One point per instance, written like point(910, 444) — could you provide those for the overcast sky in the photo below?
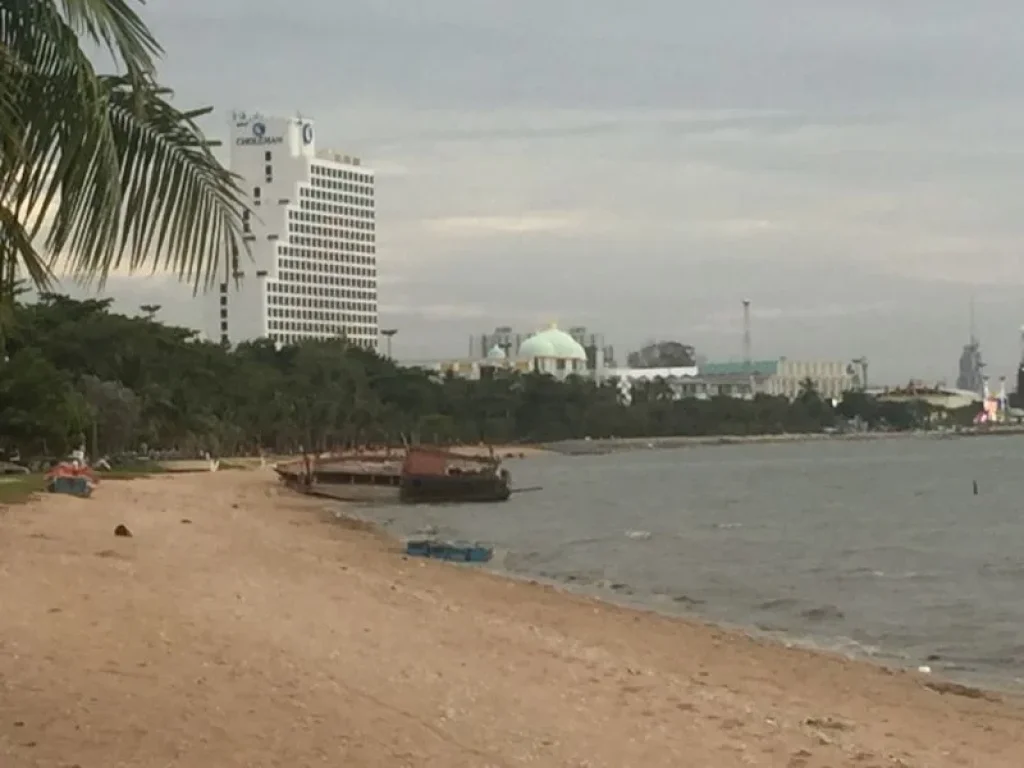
point(856, 169)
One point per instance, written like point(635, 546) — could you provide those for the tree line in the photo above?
point(76, 371)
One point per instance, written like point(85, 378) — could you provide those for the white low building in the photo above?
point(780, 377)
point(677, 379)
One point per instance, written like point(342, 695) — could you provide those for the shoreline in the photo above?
point(590, 447)
point(343, 649)
point(888, 658)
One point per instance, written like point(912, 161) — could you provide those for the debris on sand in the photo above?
point(122, 530)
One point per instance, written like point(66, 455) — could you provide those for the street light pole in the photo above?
point(388, 333)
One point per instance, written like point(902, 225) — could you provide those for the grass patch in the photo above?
point(17, 489)
point(129, 473)
point(119, 475)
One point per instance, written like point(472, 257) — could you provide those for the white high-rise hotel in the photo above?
point(312, 234)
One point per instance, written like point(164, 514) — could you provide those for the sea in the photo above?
point(909, 551)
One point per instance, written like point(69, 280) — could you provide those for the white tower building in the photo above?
point(312, 234)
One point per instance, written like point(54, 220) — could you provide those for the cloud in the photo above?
point(731, 322)
point(853, 168)
point(482, 226)
point(435, 311)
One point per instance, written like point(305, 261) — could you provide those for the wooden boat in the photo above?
point(421, 474)
point(435, 475)
point(346, 478)
point(206, 464)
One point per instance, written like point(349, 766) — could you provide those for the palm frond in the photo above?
point(10, 90)
point(182, 211)
point(17, 254)
point(17, 257)
point(117, 175)
point(64, 135)
point(114, 25)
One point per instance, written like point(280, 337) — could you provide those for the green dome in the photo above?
point(552, 343)
point(496, 353)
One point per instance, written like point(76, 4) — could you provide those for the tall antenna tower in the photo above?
point(746, 335)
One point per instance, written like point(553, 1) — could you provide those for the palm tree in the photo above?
point(101, 170)
point(808, 391)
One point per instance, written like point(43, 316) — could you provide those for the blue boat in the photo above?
point(457, 551)
point(75, 486)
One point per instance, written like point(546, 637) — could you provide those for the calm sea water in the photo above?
point(874, 548)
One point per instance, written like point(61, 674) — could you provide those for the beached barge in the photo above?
point(346, 478)
point(419, 474)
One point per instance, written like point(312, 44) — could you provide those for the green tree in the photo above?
point(76, 365)
point(39, 411)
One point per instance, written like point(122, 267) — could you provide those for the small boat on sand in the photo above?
point(71, 477)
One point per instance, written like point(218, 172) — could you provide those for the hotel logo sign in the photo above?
point(259, 137)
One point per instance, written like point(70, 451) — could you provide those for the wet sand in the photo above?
point(263, 633)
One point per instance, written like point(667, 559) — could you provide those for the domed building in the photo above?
point(555, 352)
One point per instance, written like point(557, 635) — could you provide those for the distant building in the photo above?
point(970, 374)
point(555, 352)
point(312, 235)
point(473, 369)
point(663, 354)
point(551, 351)
point(599, 354)
point(831, 378)
point(937, 396)
point(743, 380)
point(678, 380)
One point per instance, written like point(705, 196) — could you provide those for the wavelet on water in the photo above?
point(778, 603)
point(823, 613)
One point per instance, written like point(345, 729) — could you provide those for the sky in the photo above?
point(854, 169)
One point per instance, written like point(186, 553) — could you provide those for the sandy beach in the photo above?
point(243, 626)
